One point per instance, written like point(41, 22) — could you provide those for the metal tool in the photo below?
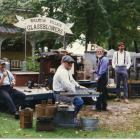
point(31, 84)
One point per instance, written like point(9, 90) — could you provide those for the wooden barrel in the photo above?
point(50, 110)
point(46, 110)
point(40, 111)
point(26, 118)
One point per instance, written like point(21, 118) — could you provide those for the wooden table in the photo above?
point(34, 94)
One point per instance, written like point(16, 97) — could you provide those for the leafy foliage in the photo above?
point(31, 64)
point(104, 22)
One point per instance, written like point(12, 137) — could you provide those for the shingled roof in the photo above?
point(8, 29)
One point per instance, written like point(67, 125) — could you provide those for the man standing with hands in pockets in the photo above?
point(101, 71)
point(121, 62)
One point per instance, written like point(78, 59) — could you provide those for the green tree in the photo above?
point(104, 22)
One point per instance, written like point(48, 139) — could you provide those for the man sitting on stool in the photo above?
point(63, 81)
point(6, 90)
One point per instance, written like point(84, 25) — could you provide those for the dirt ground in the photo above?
point(119, 115)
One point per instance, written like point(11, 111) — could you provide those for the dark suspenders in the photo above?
point(8, 75)
point(124, 57)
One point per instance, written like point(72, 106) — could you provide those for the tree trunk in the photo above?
point(87, 22)
point(51, 11)
point(113, 46)
point(51, 45)
point(109, 46)
point(91, 27)
point(136, 47)
point(87, 40)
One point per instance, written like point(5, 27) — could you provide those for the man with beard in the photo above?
point(121, 62)
point(101, 79)
point(63, 81)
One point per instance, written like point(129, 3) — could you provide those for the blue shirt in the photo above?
point(104, 64)
point(8, 79)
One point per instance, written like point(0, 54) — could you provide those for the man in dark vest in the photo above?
point(121, 63)
point(101, 79)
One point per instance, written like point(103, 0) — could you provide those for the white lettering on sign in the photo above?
point(42, 23)
point(44, 27)
point(29, 98)
point(38, 20)
point(48, 24)
point(55, 23)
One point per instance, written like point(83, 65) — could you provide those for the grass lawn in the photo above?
point(121, 121)
point(10, 128)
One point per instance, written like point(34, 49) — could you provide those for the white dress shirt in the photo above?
point(121, 59)
point(63, 80)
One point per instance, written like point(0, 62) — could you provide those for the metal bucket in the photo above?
point(89, 124)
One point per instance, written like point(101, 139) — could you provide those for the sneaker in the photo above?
point(95, 109)
point(117, 100)
point(75, 121)
point(16, 115)
point(126, 101)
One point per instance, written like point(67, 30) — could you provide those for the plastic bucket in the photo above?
point(89, 124)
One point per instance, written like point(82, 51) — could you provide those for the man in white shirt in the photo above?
point(121, 63)
point(63, 81)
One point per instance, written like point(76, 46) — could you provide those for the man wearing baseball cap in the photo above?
point(6, 89)
point(63, 81)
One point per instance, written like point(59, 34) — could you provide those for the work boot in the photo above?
point(126, 101)
point(117, 100)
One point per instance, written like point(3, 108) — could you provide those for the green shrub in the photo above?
point(31, 64)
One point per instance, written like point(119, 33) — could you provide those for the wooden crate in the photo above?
point(45, 125)
point(133, 90)
point(23, 77)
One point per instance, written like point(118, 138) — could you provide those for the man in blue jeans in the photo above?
point(6, 90)
point(63, 81)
